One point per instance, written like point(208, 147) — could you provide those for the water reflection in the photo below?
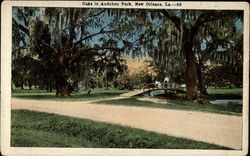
point(227, 102)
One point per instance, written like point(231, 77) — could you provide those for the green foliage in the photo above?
point(204, 35)
point(46, 56)
point(227, 75)
point(61, 39)
point(76, 46)
point(135, 80)
point(24, 71)
point(124, 81)
point(75, 132)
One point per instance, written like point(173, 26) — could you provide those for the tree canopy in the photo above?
point(68, 46)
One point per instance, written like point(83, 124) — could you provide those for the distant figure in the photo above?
point(166, 81)
point(183, 86)
point(157, 84)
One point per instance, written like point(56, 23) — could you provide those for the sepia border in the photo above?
point(6, 29)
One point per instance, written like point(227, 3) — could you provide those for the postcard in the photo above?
point(124, 78)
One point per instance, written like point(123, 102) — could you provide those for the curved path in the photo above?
point(224, 130)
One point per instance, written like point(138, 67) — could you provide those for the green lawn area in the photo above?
point(225, 93)
point(34, 129)
point(179, 105)
point(235, 91)
point(97, 93)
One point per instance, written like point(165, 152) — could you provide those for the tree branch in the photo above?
point(92, 35)
point(173, 18)
point(49, 46)
point(210, 16)
point(89, 51)
point(24, 17)
point(93, 15)
point(21, 27)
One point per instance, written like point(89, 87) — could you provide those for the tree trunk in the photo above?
point(62, 69)
point(22, 86)
point(47, 87)
point(191, 72)
point(50, 88)
point(62, 89)
point(62, 86)
point(202, 87)
point(107, 85)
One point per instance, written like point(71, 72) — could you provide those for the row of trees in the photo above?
point(61, 39)
point(66, 46)
point(192, 38)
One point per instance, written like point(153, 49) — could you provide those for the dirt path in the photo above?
point(154, 100)
point(132, 93)
point(218, 129)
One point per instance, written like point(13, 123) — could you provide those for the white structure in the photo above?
point(166, 80)
point(157, 84)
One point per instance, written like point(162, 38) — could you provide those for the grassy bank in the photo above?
point(82, 95)
point(225, 93)
point(178, 104)
point(33, 129)
point(231, 91)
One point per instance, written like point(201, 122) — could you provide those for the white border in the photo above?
point(6, 29)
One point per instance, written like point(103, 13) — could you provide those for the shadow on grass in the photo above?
point(225, 96)
point(179, 105)
point(231, 106)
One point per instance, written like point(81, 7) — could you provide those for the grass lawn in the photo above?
point(178, 104)
point(97, 93)
point(33, 129)
point(235, 91)
point(225, 93)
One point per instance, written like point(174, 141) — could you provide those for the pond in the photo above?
point(223, 102)
point(227, 102)
point(151, 93)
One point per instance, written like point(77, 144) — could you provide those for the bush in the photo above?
point(132, 81)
